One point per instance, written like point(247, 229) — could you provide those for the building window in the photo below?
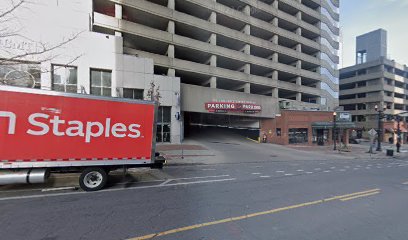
point(133, 93)
point(101, 82)
point(361, 95)
point(360, 118)
point(298, 135)
point(64, 78)
point(361, 106)
point(320, 136)
point(163, 124)
point(278, 132)
point(361, 57)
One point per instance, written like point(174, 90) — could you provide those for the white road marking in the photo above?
point(317, 169)
point(309, 172)
point(58, 189)
point(280, 171)
point(208, 169)
point(165, 182)
point(255, 173)
point(264, 176)
point(113, 190)
point(189, 178)
point(288, 174)
point(300, 170)
point(326, 171)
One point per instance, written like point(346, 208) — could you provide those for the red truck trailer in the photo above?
point(45, 131)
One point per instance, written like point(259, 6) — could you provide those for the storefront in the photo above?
point(306, 128)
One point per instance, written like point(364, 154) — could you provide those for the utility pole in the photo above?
point(334, 130)
point(380, 125)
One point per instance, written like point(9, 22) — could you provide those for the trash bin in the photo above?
point(390, 152)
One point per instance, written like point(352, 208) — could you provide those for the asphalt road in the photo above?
point(255, 197)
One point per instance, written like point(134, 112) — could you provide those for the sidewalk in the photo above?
point(195, 153)
point(190, 153)
point(356, 151)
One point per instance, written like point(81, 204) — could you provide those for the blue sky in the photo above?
point(361, 16)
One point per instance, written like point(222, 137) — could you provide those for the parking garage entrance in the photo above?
point(198, 123)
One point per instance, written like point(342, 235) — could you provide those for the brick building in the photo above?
point(305, 128)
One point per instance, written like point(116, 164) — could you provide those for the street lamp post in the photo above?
point(334, 130)
point(398, 133)
point(380, 125)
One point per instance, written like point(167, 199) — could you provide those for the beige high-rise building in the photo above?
point(270, 54)
point(219, 63)
point(375, 80)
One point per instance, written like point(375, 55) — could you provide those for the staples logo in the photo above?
point(42, 124)
point(12, 121)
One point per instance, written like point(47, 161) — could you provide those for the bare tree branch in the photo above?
point(22, 60)
point(12, 9)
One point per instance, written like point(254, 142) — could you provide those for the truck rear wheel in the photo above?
point(93, 179)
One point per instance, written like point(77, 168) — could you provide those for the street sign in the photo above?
point(372, 132)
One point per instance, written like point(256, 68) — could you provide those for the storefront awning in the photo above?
point(329, 125)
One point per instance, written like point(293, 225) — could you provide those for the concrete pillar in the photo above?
point(247, 29)
point(213, 60)
point(275, 21)
point(299, 96)
point(213, 39)
point(247, 68)
point(247, 88)
point(247, 49)
point(275, 4)
point(171, 27)
point(298, 81)
point(274, 57)
point(213, 17)
point(299, 31)
point(299, 47)
point(247, 10)
point(275, 75)
point(171, 72)
point(170, 51)
point(299, 15)
point(275, 92)
point(213, 82)
point(275, 39)
point(118, 11)
point(118, 15)
point(298, 64)
point(171, 4)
